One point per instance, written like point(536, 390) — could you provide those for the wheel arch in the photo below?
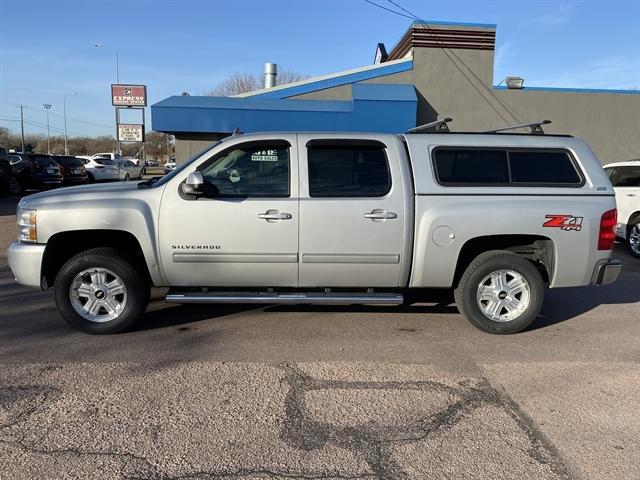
point(63, 246)
point(538, 249)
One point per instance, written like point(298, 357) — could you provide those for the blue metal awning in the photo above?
point(385, 108)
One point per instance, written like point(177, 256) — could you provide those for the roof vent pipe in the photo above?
point(270, 73)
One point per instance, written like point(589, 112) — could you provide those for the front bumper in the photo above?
point(25, 261)
point(606, 271)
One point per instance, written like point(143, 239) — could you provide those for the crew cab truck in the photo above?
point(340, 218)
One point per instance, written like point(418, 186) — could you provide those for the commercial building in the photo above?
point(436, 70)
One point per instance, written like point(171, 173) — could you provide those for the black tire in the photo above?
point(90, 177)
point(138, 290)
point(127, 177)
point(633, 247)
point(483, 265)
point(13, 185)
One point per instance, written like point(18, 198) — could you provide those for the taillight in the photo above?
point(99, 166)
point(61, 169)
point(607, 236)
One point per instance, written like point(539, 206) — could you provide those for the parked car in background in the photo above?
point(129, 170)
point(625, 178)
point(34, 171)
point(152, 163)
point(108, 155)
point(8, 181)
point(100, 169)
point(72, 169)
point(169, 166)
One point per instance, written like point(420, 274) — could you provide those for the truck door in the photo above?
point(352, 213)
point(245, 232)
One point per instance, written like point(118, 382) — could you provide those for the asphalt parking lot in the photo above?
point(320, 392)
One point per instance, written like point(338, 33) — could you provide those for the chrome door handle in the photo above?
point(631, 194)
point(378, 214)
point(274, 215)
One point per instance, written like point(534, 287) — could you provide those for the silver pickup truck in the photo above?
point(339, 218)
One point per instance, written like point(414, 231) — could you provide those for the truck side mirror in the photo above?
point(194, 184)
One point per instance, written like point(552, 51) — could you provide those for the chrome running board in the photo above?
point(332, 298)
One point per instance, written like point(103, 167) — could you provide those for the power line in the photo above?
point(449, 53)
point(388, 9)
point(60, 115)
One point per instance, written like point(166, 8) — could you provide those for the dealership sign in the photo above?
point(130, 132)
point(129, 95)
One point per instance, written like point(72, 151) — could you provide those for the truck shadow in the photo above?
point(560, 304)
point(567, 303)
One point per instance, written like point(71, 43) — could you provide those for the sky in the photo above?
point(47, 47)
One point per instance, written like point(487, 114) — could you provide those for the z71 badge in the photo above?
point(564, 222)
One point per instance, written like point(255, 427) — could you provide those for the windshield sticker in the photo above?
point(265, 156)
point(564, 222)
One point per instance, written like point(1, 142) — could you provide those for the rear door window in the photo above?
point(627, 177)
point(348, 170)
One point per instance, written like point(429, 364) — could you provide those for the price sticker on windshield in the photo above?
point(265, 156)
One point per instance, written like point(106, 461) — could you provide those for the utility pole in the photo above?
point(22, 128)
point(47, 107)
point(64, 107)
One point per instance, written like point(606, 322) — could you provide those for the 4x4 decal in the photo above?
point(564, 222)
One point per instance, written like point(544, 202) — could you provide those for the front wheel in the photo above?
point(633, 238)
point(99, 292)
point(500, 292)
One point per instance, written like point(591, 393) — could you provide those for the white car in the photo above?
point(109, 155)
point(169, 166)
point(625, 178)
point(100, 169)
point(129, 170)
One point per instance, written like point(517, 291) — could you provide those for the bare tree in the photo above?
point(248, 82)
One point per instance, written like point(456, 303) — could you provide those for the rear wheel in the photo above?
point(500, 292)
point(90, 177)
point(127, 178)
point(633, 237)
point(99, 292)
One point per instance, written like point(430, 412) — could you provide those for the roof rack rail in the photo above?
point(439, 125)
point(536, 127)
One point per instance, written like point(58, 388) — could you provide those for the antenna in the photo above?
point(236, 132)
point(536, 127)
point(440, 126)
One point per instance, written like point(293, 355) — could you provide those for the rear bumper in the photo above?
point(606, 271)
point(25, 261)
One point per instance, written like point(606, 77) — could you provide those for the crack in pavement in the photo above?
point(370, 442)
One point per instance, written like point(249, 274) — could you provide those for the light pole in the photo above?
point(47, 107)
point(100, 45)
point(64, 107)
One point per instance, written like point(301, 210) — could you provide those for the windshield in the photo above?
point(183, 166)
